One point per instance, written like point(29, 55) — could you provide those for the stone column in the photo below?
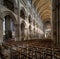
point(17, 33)
point(1, 31)
point(1, 28)
point(56, 22)
point(16, 6)
point(59, 23)
point(18, 23)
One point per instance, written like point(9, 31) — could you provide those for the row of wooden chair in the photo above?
point(32, 49)
point(37, 53)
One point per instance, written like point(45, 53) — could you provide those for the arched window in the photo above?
point(22, 13)
point(48, 22)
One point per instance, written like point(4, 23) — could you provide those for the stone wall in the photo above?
point(1, 32)
point(56, 22)
point(36, 26)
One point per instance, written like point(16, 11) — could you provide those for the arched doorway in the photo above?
point(22, 30)
point(9, 27)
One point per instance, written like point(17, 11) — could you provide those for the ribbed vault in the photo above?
point(43, 7)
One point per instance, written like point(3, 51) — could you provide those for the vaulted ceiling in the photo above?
point(44, 8)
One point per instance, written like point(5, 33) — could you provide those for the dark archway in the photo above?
point(8, 27)
point(22, 13)
point(23, 30)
